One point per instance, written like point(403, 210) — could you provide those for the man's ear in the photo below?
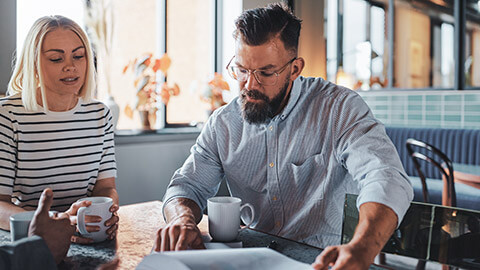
point(297, 67)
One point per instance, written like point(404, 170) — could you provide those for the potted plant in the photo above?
point(212, 92)
point(148, 95)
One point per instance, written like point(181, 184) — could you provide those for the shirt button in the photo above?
point(270, 127)
point(271, 164)
point(277, 223)
point(274, 198)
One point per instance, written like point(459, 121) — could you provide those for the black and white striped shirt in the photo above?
point(66, 151)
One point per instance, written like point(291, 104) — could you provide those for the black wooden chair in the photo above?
point(438, 159)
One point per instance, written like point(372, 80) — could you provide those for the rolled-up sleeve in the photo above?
point(200, 176)
point(371, 158)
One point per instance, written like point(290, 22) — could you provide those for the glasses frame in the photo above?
point(254, 72)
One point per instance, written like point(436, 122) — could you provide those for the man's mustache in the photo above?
point(254, 94)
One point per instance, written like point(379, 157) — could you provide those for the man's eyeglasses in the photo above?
point(263, 77)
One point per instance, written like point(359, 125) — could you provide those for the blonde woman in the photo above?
point(52, 134)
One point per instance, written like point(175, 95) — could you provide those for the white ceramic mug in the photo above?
point(100, 207)
point(224, 217)
point(19, 224)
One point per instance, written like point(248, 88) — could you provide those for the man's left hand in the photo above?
point(55, 231)
point(343, 257)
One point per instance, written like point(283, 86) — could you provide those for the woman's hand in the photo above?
point(106, 188)
point(72, 213)
point(112, 222)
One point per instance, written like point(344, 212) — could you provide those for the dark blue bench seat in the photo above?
point(460, 145)
point(467, 197)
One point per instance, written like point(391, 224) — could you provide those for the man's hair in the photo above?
point(257, 26)
point(27, 76)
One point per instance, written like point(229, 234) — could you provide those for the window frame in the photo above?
point(216, 50)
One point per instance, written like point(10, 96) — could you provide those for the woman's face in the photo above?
point(63, 62)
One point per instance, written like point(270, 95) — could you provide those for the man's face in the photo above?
point(261, 102)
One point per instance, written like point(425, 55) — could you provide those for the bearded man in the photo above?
point(292, 147)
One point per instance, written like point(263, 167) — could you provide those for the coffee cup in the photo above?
point(19, 224)
point(224, 217)
point(100, 207)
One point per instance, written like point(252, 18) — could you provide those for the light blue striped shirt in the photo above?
point(296, 169)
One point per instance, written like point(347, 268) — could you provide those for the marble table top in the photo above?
point(137, 229)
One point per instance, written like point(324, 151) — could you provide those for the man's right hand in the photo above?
point(180, 233)
point(56, 231)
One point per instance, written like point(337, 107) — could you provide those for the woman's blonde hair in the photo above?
point(26, 77)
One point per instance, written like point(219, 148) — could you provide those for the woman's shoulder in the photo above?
point(11, 104)
point(14, 100)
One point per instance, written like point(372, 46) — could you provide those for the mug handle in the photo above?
point(253, 215)
point(81, 220)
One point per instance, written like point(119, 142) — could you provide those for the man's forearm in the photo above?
point(182, 207)
point(376, 224)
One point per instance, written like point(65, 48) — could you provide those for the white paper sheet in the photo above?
point(213, 259)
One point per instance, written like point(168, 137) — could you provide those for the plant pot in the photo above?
point(145, 120)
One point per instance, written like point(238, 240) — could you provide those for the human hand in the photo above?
point(56, 231)
point(179, 234)
point(72, 213)
point(343, 257)
point(112, 222)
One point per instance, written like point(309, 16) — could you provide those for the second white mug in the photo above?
point(224, 217)
point(19, 224)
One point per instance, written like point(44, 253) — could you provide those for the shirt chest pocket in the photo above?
point(309, 176)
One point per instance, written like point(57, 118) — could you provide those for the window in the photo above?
point(190, 43)
point(423, 45)
point(472, 46)
point(443, 63)
point(358, 60)
point(363, 46)
point(410, 45)
point(231, 9)
point(135, 33)
point(28, 11)
point(187, 36)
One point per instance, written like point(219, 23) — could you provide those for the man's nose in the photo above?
point(252, 82)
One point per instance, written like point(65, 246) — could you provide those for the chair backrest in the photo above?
point(438, 159)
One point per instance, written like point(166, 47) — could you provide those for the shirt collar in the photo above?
point(292, 101)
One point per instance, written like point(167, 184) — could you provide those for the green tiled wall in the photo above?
point(442, 109)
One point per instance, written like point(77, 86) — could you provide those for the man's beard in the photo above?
point(260, 112)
